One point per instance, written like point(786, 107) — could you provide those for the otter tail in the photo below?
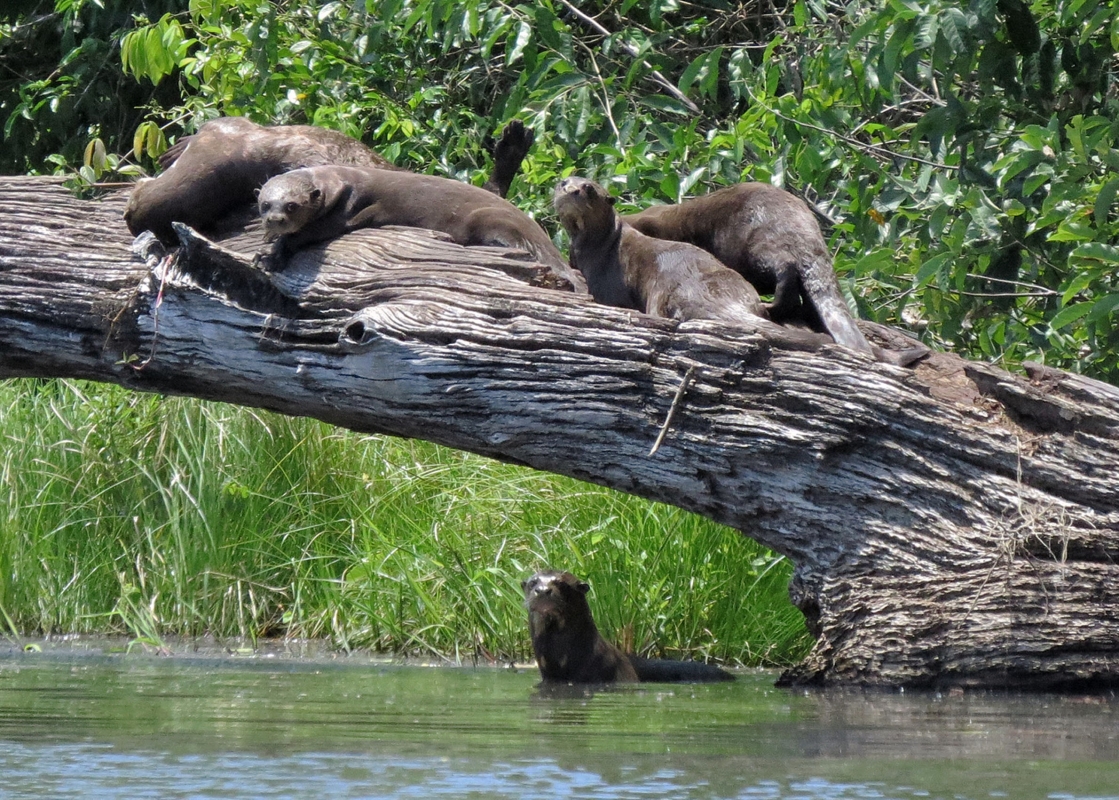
point(659, 670)
point(822, 291)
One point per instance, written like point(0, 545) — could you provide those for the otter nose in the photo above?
point(540, 588)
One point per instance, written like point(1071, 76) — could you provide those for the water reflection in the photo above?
point(89, 724)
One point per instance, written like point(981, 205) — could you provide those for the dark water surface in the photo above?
point(84, 723)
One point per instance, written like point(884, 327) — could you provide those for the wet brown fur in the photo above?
point(314, 204)
point(221, 167)
point(570, 649)
point(771, 238)
point(624, 267)
point(567, 644)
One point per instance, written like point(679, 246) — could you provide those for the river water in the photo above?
point(78, 720)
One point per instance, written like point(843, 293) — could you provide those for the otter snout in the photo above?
point(566, 186)
point(539, 585)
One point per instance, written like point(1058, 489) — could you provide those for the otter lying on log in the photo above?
point(221, 167)
point(314, 204)
point(624, 267)
point(771, 238)
point(569, 648)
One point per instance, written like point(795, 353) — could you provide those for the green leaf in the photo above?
point(514, 53)
point(546, 24)
point(953, 24)
point(1069, 231)
point(709, 79)
point(1069, 314)
point(1104, 200)
point(800, 14)
point(1078, 284)
point(1097, 251)
point(668, 104)
point(1103, 307)
point(925, 35)
point(930, 268)
point(692, 72)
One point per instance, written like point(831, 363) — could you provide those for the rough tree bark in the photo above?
point(950, 524)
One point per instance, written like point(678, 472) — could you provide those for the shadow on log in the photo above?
point(951, 524)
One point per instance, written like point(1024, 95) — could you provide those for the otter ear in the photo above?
point(524, 584)
point(611, 199)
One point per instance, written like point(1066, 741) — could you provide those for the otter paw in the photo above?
point(515, 142)
point(269, 261)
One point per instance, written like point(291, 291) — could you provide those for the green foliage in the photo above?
point(61, 82)
point(967, 153)
point(162, 516)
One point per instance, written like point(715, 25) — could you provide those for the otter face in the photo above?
point(582, 204)
point(555, 585)
point(554, 599)
point(287, 203)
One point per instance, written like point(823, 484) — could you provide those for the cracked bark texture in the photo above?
point(951, 524)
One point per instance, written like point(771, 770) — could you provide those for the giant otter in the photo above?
point(624, 267)
point(314, 204)
point(221, 167)
point(569, 648)
point(771, 238)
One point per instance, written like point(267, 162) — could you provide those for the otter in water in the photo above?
point(314, 204)
point(771, 238)
point(624, 267)
point(569, 648)
point(221, 167)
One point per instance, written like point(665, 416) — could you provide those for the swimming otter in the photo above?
point(569, 648)
point(771, 238)
point(624, 267)
point(314, 204)
point(221, 167)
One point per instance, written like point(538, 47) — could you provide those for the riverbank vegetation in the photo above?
point(964, 158)
point(156, 516)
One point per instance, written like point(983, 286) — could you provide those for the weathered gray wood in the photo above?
point(951, 524)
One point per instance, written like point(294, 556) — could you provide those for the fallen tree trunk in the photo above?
point(950, 523)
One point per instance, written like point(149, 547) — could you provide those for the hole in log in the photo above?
point(355, 331)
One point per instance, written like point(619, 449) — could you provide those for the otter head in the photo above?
point(288, 202)
point(556, 600)
point(584, 207)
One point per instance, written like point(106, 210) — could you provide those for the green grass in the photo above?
point(125, 512)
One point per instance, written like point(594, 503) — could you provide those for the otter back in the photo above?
point(219, 168)
point(348, 198)
point(771, 238)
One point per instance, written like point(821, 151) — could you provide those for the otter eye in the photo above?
point(289, 207)
point(266, 206)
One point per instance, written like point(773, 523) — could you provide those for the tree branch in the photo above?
point(664, 82)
